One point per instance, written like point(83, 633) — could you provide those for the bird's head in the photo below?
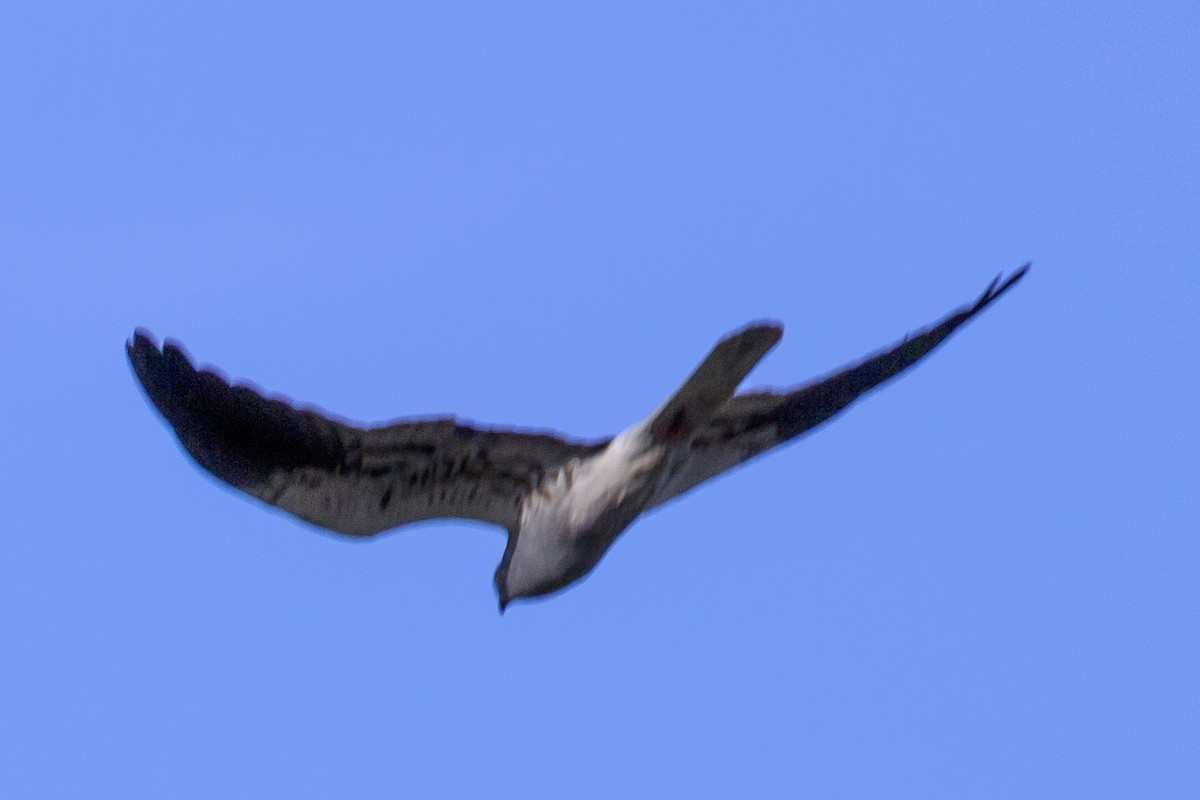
point(524, 572)
point(515, 580)
point(501, 588)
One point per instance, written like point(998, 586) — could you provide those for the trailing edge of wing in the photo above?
point(753, 423)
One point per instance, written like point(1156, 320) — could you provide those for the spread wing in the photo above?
point(353, 480)
point(753, 423)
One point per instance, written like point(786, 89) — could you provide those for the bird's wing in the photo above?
point(753, 423)
point(352, 480)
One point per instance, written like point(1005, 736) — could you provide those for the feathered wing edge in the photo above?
point(336, 475)
point(753, 423)
point(233, 431)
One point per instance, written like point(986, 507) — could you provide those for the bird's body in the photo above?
point(571, 519)
point(563, 503)
point(575, 514)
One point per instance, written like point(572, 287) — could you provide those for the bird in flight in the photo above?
point(563, 502)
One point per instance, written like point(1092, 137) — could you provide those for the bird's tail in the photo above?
point(713, 382)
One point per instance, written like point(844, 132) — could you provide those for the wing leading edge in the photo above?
point(752, 423)
point(349, 479)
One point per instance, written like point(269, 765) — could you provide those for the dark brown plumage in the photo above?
point(364, 480)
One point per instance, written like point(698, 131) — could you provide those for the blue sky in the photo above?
point(979, 582)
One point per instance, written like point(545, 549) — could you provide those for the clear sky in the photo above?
point(981, 582)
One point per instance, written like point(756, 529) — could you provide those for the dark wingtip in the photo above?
point(146, 358)
point(233, 431)
point(820, 400)
point(141, 342)
point(992, 291)
point(142, 346)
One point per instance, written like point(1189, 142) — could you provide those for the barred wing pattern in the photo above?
point(349, 479)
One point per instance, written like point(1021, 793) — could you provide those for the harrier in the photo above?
point(563, 502)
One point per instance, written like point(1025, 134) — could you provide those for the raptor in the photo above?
point(563, 502)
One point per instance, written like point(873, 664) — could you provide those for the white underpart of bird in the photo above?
point(563, 502)
point(573, 517)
